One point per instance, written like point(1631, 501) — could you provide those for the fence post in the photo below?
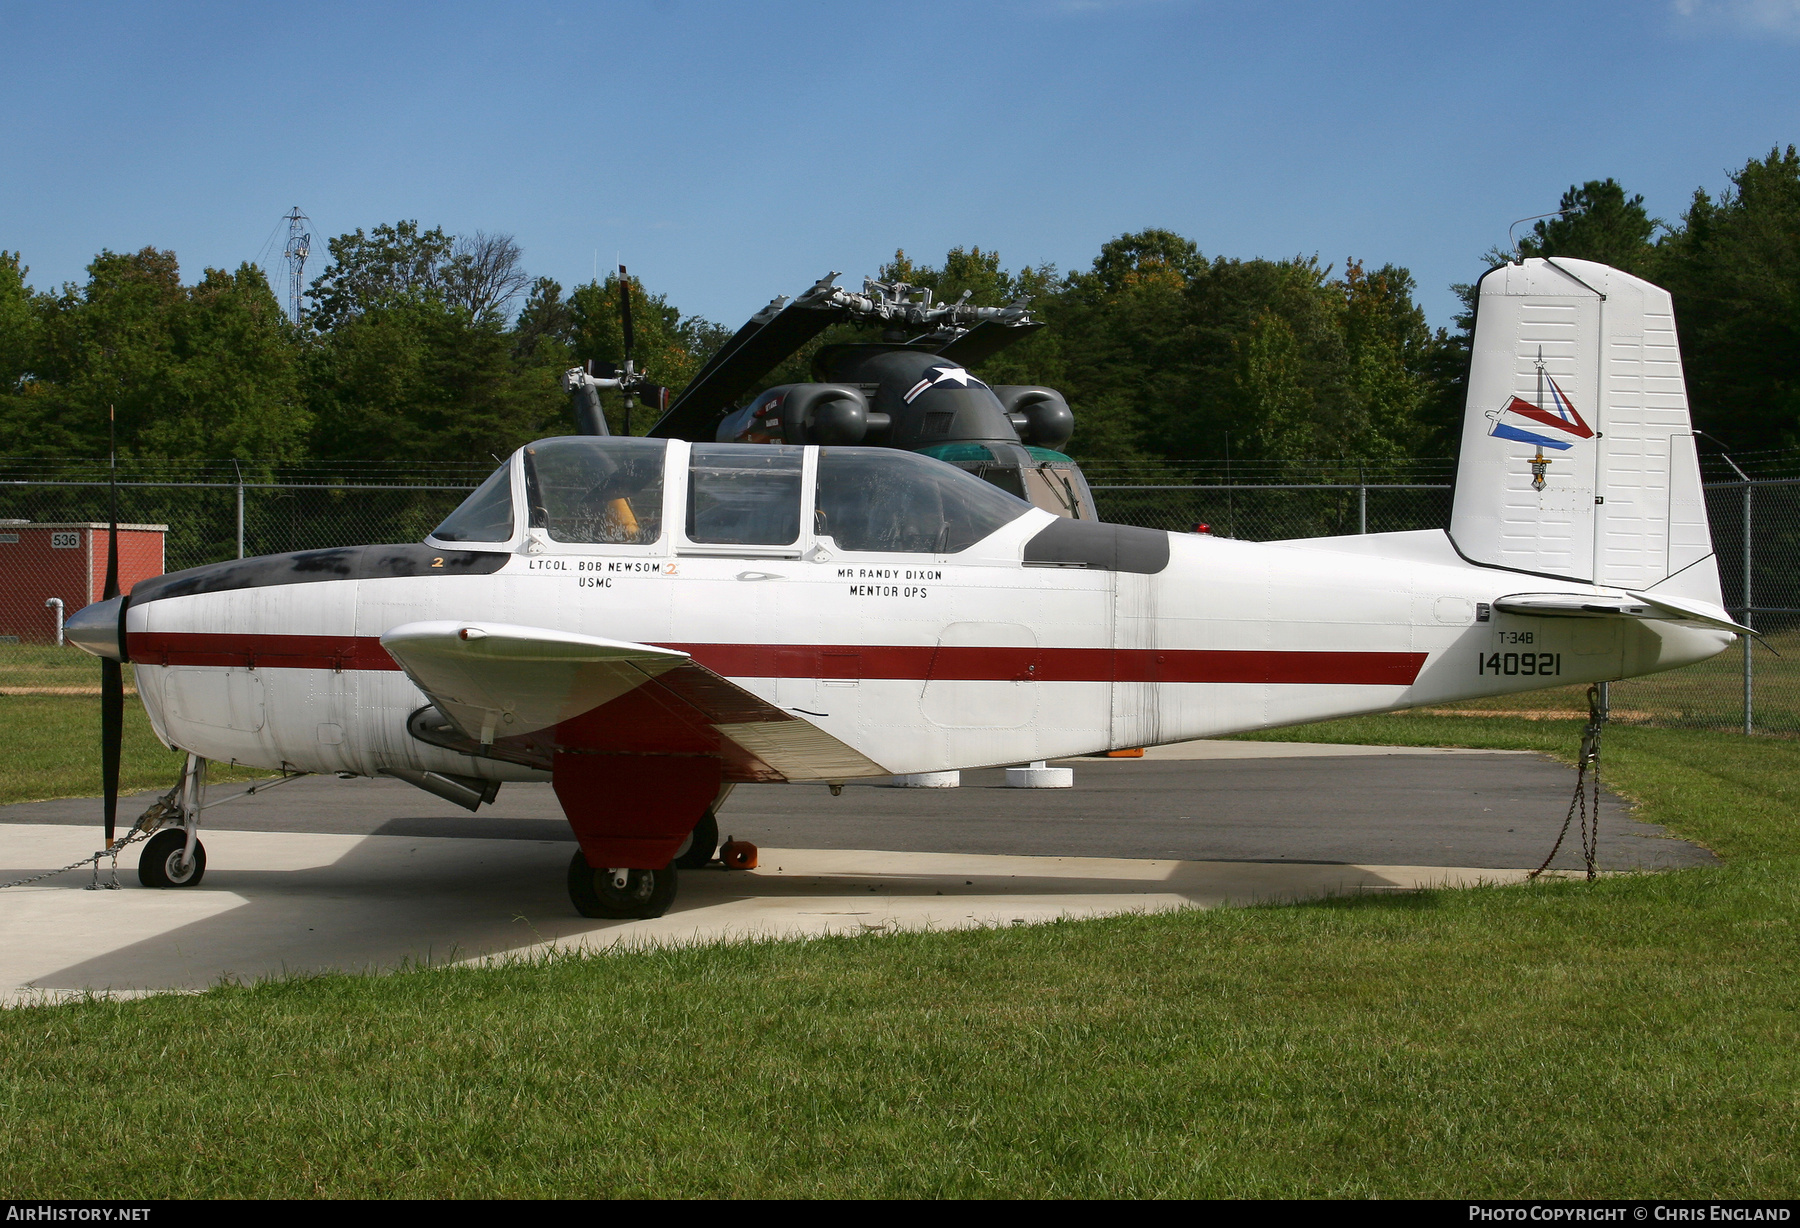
point(240, 509)
point(1749, 619)
point(1362, 501)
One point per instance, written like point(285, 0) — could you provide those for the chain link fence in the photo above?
point(204, 513)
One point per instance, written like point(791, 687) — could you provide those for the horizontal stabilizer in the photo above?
point(1688, 610)
point(497, 680)
point(1629, 605)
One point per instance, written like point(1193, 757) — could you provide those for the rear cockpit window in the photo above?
point(740, 495)
point(886, 500)
point(596, 489)
point(485, 516)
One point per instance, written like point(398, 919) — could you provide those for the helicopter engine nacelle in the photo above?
point(830, 414)
point(1040, 415)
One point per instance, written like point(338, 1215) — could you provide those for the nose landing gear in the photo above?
point(174, 856)
point(165, 862)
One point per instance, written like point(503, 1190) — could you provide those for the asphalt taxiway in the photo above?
point(366, 875)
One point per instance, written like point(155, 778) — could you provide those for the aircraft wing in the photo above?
point(1631, 605)
point(534, 691)
point(496, 679)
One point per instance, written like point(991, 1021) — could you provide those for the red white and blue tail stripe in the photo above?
point(1561, 417)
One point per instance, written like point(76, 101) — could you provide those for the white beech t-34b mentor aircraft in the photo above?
point(646, 622)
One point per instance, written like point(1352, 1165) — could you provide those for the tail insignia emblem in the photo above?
point(1522, 422)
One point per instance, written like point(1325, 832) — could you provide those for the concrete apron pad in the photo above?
point(276, 903)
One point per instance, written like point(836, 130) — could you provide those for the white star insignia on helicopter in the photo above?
point(943, 375)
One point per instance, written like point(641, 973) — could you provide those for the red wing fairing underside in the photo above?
point(691, 710)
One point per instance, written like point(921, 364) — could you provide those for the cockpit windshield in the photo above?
point(887, 500)
point(485, 516)
point(596, 489)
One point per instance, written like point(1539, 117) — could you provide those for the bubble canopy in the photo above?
point(611, 491)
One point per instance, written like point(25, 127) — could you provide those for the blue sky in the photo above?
point(730, 151)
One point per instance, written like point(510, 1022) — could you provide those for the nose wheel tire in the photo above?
point(702, 845)
point(646, 893)
point(161, 862)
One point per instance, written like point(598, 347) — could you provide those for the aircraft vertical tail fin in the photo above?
point(1578, 456)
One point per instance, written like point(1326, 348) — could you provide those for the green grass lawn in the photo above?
point(1634, 1036)
point(45, 666)
point(51, 748)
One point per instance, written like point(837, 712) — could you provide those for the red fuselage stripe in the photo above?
point(850, 660)
point(259, 651)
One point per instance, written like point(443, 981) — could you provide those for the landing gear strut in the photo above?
point(174, 856)
point(620, 894)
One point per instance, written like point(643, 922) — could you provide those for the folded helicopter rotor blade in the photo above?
point(769, 337)
point(983, 341)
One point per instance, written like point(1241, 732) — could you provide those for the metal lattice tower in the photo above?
point(299, 247)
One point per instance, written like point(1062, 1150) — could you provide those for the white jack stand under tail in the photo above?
point(929, 780)
point(1040, 775)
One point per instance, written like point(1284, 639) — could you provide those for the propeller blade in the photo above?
point(625, 311)
point(112, 736)
point(112, 674)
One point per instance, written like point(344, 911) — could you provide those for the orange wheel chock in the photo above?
point(1136, 752)
point(738, 855)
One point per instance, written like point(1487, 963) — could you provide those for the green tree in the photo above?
point(1598, 222)
point(234, 383)
point(192, 372)
point(1164, 353)
point(391, 264)
point(1390, 351)
point(420, 380)
point(411, 357)
point(1734, 271)
point(20, 330)
point(1274, 394)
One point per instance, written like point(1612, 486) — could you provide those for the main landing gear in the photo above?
point(639, 894)
point(702, 843)
point(174, 856)
point(620, 894)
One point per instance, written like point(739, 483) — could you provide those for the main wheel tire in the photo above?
point(646, 893)
point(702, 844)
point(160, 865)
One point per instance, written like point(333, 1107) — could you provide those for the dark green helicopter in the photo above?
point(910, 390)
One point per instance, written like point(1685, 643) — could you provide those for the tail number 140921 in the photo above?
point(1513, 664)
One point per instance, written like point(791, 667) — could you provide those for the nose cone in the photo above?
point(95, 628)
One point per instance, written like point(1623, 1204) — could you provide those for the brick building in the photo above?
point(65, 561)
